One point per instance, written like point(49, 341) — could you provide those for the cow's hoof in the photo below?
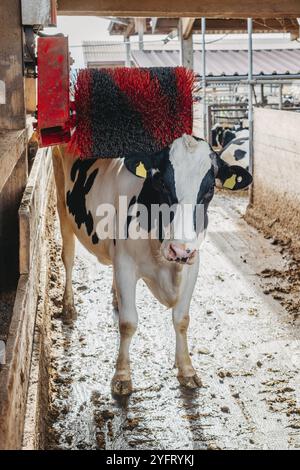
point(69, 314)
point(191, 382)
point(121, 387)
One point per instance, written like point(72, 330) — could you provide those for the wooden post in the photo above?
point(13, 151)
point(140, 26)
point(12, 113)
point(186, 48)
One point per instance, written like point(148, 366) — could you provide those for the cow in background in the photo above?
point(232, 145)
point(236, 151)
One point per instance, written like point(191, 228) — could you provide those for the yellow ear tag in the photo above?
point(141, 170)
point(230, 182)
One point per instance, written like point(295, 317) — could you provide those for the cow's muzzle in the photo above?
point(180, 253)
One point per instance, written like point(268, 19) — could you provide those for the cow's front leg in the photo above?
point(114, 297)
point(187, 375)
point(125, 289)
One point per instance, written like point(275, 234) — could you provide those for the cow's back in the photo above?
point(84, 186)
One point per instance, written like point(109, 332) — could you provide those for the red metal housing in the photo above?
point(53, 113)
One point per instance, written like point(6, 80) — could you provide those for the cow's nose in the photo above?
point(178, 252)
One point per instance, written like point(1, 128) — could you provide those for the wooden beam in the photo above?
point(181, 8)
point(187, 27)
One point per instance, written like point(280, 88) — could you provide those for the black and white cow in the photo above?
point(183, 174)
point(217, 132)
point(232, 145)
point(236, 152)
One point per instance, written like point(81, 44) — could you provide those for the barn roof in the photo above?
point(271, 56)
point(226, 62)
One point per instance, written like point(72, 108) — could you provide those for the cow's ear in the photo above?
point(233, 177)
point(138, 164)
point(143, 165)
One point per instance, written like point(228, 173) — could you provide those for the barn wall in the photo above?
point(33, 214)
point(276, 192)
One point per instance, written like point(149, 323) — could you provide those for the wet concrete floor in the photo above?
point(244, 345)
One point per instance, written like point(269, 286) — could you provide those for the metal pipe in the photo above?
point(262, 97)
point(203, 30)
point(250, 98)
point(280, 96)
point(128, 51)
point(243, 79)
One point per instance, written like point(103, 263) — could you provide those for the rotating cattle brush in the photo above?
point(124, 110)
point(114, 112)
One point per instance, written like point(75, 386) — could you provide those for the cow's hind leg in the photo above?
point(68, 251)
point(68, 239)
point(125, 290)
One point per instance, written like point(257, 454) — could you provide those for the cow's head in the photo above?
point(183, 176)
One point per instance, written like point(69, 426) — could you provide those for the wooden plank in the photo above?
point(12, 113)
point(13, 176)
point(181, 8)
point(10, 199)
point(14, 376)
point(12, 145)
point(33, 204)
point(30, 95)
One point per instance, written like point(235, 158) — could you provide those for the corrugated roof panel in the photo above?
point(231, 62)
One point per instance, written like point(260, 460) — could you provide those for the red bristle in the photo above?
point(82, 140)
point(145, 95)
point(166, 113)
point(185, 85)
